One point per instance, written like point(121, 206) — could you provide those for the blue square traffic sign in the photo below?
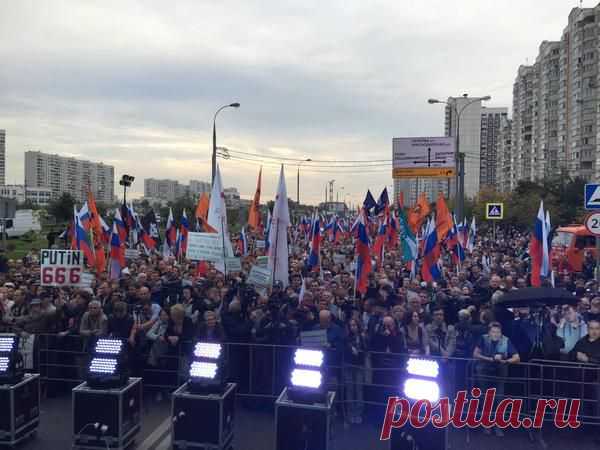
point(592, 196)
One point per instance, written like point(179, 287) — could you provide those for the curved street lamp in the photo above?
point(214, 151)
point(298, 180)
point(460, 175)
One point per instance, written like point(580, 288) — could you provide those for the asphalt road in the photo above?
point(254, 430)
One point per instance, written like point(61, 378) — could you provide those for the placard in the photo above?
point(233, 264)
point(339, 259)
point(86, 280)
point(260, 244)
point(262, 261)
point(313, 338)
point(205, 247)
point(60, 267)
point(259, 277)
point(132, 253)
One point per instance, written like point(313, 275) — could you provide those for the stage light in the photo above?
point(306, 378)
point(207, 369)
point(11, 362)
point(423, 367)
point(109, 346)
point(311, 358)
point(108, 367)
point(207, 350)
point(7, 343)
point(203, 370)
point(307, 381)
point(418, 389)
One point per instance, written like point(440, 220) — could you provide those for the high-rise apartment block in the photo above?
point(2, 157)
point(170, 190)
point(74, 176)
point(556, 105)
point(491, 123)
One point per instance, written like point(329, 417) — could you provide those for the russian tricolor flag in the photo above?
point(312, 263)
point(430, 270)
point(170, 232)
point(184, 228)
point(121, 228)
point(538, 249)
point(81, 239)
point(363, 255)
point(117, 254)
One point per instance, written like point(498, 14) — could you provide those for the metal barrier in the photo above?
point(262, 371)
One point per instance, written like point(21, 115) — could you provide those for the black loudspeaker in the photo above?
point(20, 410)
point(427, 438)
point(118, 409)
point(203, 421)
point(301, 426)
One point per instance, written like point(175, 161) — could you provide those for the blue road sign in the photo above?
point(592, 196)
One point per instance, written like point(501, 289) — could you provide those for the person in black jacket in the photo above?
point(120, 323)
point(354, 371)
point(238, 330)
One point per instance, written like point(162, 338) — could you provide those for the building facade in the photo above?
point(170, 190)
point(491, 123)
point(504, 157)
point(73, 176)
point(2, 157)
point(22, 193)
point(556, 105)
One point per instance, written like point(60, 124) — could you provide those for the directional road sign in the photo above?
point(592, 196)
point(426, 157)
point(494, 211)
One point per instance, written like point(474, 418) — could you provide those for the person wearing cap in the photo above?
point(94, 321)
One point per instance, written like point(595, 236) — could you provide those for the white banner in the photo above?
point(61, 267)
point(259, 277)
point(132, 253)
point(233, 264)
point(205, 247)
point(260, 244)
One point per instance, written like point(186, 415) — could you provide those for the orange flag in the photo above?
point(443, 218)
point(254, 213)
point(417, 214)
point(202, 208)
point(97, 235)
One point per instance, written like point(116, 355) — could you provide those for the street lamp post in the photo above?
point(298, 180)
point(459, 156)
point(214, 149)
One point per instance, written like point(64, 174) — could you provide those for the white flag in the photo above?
point(278, 235)
point(217, 217)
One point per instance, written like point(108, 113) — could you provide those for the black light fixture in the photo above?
point(11, 362)
point(108, 365)
point(207, 369)
point(306, 381)
point(126, 180)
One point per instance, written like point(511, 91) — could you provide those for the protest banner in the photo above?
point(132, 253)
point(233, 264)
point(60, 267)
point(262, 261)
point(259, 277)
point(205, 247)
point(260, 244)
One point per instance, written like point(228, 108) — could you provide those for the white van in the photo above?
point(24, 221)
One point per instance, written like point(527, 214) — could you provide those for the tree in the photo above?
point(62, 207)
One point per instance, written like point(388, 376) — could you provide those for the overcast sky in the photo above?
point(135, 83)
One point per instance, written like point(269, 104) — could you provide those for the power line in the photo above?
point(283, 158)
point(312, 169)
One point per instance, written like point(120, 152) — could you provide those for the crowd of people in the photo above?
point(161, 306)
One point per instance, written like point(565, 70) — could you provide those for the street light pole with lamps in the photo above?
point(460, 157)
point(298, 180)
point(214, 149)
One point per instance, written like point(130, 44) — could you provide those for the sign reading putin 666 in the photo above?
point(61, 267)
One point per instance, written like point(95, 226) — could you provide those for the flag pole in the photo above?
point(271, 248)
point(223, 236)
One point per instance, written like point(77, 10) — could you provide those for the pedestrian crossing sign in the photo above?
point(494, 211)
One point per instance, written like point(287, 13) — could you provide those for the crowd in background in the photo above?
point(161, 306)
